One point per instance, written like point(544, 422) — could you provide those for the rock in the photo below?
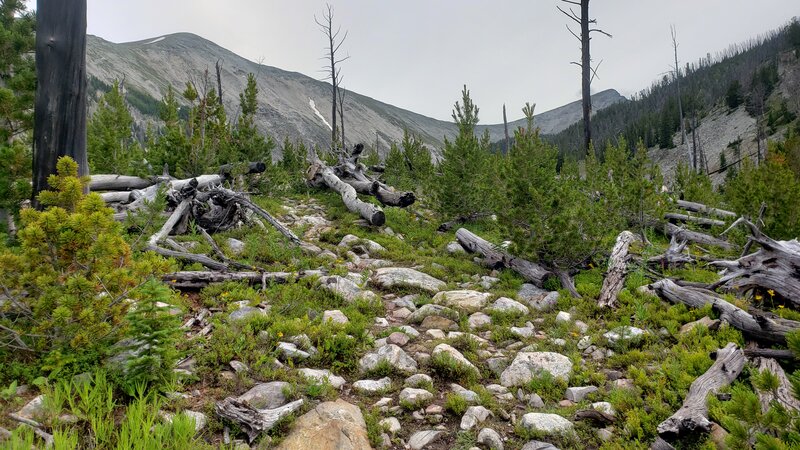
point(266, 395)
point(200, 420)
point(432, 310)
point(457, 357)
point(334, 316)
point(243, 313)
point(238, 366)
point(418, 380)
point(539, 445)
point(321, 376)
point(422, 439)
point(577, 394)
point(523, 332)
point(397, 338)
point(490, 438)
point(33, 409)
point(389, 277)
point(406, 301)
point(401, 314)
point(581, 326)
point(455, 248)
point(290, 351)
point(705, 321)
point(435, 334)
point(393, 355)
point(474, 416)
point(624, 333)
point(623, 383)
point(584, 342)
point(465, 300)
point(409, 330)
point(487, 282)
point(438, 323)
point(604, 434)
point(391, 424)
point(605, 407)
point(546, 423)
point(497, 364)
point(235, 246)
point(528, 365)
point(351, 240)
point(563, 316)
point(538, 299)
point(415, 397)
point(559, 342)
point(479, 320)
point(507, 305)
point(331, 425)
point(535, 401)
point(373, 386)
point(345, 287)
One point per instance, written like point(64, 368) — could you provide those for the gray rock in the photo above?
point(581, 326)
point(409, 330)
point(474, 416)
point(200, 420)
point(422, 439)
point(584, 342)
point(321, 376)
point(345, 287)
point(391, 424)
point(397, 338)
point(392, 354)
point(563, 316)
point(464, 300)
point(243, 313)
point(438, 323)
point(528, 365)
point(605, 407)
point(238, 366)
point(538, 299)
point(455, 248)
point(507, 305)
point(414, 396)
point(539, 445)
point(389, 277)
point(33, 409)
point(535, 401)
point(497, 364)
point(624, 333)
point(266, 395)
point(336, 425)
point(334, 316)
point(236, 246)
point(456, 356)
point(479, 320)
point(418, 380)
point(523, 332)
point(373, 386)
point(432, 310)
point(577, 394)
point(491, 439)
point(289, 350)
point(546, 423)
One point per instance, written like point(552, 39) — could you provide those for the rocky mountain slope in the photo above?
point(290, 104)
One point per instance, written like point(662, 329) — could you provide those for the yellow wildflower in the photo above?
point(280, 335)
point(771, 292)
point(174, 281)
point(781, 306)
point(759, 297)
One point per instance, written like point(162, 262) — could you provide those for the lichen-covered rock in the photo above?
point(546, 423)
point(331, 425)
point(266, 395)
point(528, 365)
point(389, 277)
point(322, 376)
point(507, 305)
point(456, 357)
point(393, 355)
point(464, 300)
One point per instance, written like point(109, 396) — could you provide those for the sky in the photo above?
point(417, 54)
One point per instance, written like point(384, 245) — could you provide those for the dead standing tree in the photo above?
point(587, 71)
point(332, 73)
point(59, 124)
point(691, 151)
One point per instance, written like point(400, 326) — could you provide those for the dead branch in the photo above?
point(617, 270)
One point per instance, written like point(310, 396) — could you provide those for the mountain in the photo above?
point(290, 104)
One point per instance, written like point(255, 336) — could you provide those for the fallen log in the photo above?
point(595, 416)
point(228, 196)
point(252, 168)
point(696, 237)
point(783, 394)
point(382, 193)
point(116, 197)
point(674, 256)
point(692, 219)
point(756, 352)
point(460, 220)
point(757, 325)
point(701, 208)
point(113, 182)
point(201, 279)
point(692, 417)
point(775, 266)
point(369, 212)
point(251, 420)
point(496, 258)
point(617, 270)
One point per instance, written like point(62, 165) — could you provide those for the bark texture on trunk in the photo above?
point(617, 270)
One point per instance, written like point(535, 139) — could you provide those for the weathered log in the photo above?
point(617, 270)
point(230, 196)
point(218, 251)
point(251, 420)
point(595, 416)
point(701, 208)
point(161, 234)
point(692, 417)
point(694, 236)
point(460, 220)
point(692, 219)
point(112, 182)
point(201, 279)
point(783, 393)
point(661, 444)
point(776, 267)
point(756, 352)
point(674, 256)
point(757, 325)
point(252, 168)
point(371, 213)
point(116, 197)
point(496, 258)
point(384, 195)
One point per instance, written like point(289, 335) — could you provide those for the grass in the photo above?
point(448, 368)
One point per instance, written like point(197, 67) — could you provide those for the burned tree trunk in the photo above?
point(493, 257)
point(692, 417)
point(756, 325)
point(59, 121)
point(617, 270)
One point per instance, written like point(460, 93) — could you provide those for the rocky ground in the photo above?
point(445, 353)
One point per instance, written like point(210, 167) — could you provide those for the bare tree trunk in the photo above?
point(218, 66)
point(60, 109)
point(692, 153)
point(586, 76)
point(692, 417)
point(505, 126)
point(617, 270)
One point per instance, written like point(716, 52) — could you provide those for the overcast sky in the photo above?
point(416, 54)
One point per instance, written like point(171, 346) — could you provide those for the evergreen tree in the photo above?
point(734, 97)
point(111, 145)
point(166, 146)
point(409, 165)
point(465, 184)
point(248, 143)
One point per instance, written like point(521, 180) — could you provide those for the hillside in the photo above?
point(290, 104)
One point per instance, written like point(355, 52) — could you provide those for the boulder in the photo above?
point(536, 298)
point(392, 354)
point(415, 397)
point(624, 333)
point(345, 287)
point(546, 423)
point(422, 439)
point(334, 316)
point(464, 300)
point(266, 395)
point(331, 425)
point(373, 386)
point(432, 310)
point(507, 305)
point(457, 357)
point(389, 277)
point(577, 394)
point(490, 439)
point(479, 320)
point(528, 365)
point(474, 416)
point(322, 376)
